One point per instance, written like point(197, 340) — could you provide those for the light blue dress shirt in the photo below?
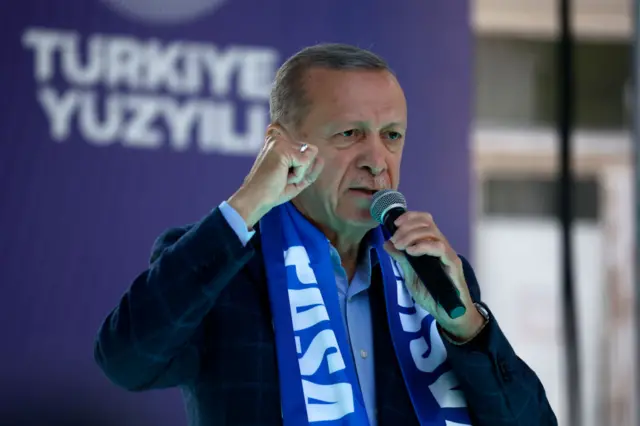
point(354, 304)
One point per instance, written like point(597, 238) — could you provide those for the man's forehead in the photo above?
point(362, 98)
point(324, 79)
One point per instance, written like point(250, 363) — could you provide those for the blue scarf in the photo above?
point(318, 382)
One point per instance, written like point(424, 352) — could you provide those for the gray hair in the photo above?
point(288, 103)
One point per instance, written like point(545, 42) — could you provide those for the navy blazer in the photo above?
point(199, 318)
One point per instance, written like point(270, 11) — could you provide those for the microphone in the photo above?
point(388, 205)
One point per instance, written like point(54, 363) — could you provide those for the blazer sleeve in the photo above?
point(500, 388)
point(151, 338)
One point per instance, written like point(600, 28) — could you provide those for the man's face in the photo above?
point(358, 120)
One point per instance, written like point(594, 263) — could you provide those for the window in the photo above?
point(537, 197)
point(516, 83)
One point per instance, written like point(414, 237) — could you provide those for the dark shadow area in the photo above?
point(69, 406)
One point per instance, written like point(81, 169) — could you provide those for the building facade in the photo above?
point(517, 241)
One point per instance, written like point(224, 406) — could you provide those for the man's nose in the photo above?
point(373, 157)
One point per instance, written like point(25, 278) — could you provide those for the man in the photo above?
point(285, 304)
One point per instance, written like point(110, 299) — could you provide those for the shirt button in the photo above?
point(363, 353)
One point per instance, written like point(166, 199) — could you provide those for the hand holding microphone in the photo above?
point(432, 269)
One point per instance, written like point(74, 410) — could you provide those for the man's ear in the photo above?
point(277, 129)
point(273, 129)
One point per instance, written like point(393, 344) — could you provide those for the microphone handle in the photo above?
point(431, 272)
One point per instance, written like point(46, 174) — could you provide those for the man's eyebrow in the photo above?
point(359, 123)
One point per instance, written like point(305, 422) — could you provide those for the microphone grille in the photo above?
point(383, 200)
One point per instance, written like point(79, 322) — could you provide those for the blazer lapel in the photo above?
point(392, 398)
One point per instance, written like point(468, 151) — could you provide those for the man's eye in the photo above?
point(394, 135)
point(349, 133)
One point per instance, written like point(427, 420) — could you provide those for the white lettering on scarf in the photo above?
point(324, 402)
point(443, 389)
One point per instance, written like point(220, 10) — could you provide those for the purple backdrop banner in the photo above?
point(120, 118)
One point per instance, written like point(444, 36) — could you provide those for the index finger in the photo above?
point(301, 161)
point(414, 216)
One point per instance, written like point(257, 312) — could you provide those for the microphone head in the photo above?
point(383, 201)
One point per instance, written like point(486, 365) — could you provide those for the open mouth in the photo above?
point(364, 191)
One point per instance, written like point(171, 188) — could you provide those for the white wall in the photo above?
point(591, 18)
point(518, 263)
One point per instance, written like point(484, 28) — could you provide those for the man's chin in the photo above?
point(362, 219)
